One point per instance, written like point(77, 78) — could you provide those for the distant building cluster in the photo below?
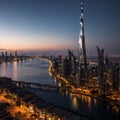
point(9, 56)
point(108, 73)
point(102, 75)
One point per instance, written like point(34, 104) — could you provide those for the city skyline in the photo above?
point(54, 25)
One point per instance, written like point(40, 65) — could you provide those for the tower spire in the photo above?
point(82, 37)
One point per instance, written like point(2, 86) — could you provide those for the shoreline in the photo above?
point(64, 81)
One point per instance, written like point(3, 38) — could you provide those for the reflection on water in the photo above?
point(116, 109)
point(83, 99)
point(89, 101)
point(75, 103)
point(70, 95)
point(28, 70)
point(95, 101)
point(15, 72)
point(3, 70)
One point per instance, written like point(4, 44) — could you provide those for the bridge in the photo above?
point(23, 84)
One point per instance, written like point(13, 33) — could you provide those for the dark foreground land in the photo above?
point(17, 103)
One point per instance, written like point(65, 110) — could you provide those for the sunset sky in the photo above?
point(54, 25)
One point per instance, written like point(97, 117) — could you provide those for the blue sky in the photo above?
point(54, 25)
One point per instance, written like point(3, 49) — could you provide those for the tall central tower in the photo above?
point(82, 39)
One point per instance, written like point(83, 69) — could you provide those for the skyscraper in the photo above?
point(82, 51)
point(82, 39)
point(101, 81)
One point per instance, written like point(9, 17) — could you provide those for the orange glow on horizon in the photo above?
point(34, 43)
point(35, 48)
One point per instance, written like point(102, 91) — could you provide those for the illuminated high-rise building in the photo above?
point(101, 69)
point(72, 61)
point(82, 69)
point(82, 39)
point(115, 76)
